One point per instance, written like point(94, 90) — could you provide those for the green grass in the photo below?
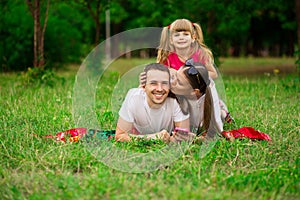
point(38, 168)
point(246, 62)
point(254, 66)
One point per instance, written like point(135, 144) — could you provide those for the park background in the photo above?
point(42, 44)
point(66, 32)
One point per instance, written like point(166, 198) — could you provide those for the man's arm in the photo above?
point(123, 127)
point(123, 132)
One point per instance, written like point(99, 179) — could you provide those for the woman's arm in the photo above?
point(185, 124)
point(179, 136)
point(142, 79)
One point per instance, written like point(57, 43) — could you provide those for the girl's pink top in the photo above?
point(174, 62)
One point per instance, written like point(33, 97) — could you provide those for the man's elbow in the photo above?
point(122, 136)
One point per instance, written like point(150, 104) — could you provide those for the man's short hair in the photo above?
point(156, 66)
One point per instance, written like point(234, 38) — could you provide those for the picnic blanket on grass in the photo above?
point(75, 134)
point(246, 132)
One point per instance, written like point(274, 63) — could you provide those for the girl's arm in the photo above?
point(212, 72)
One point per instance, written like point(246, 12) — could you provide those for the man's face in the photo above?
point(157, 87)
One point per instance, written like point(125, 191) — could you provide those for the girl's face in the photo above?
point(180, 84)
point(182, 39)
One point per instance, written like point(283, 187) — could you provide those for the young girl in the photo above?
point(182, 40)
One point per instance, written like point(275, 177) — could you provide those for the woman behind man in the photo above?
point(197, 95)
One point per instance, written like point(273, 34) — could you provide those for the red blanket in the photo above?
point(246, 132)
point(76, 133)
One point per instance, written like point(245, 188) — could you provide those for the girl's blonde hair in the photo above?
point(165, 47)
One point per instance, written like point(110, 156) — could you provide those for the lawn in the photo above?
point(33, 167)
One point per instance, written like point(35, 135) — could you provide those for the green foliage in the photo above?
point(40, 76)
point(230, 27)
point(16, 33)
point(117, 12)
point(65, 34)
point(66, 37)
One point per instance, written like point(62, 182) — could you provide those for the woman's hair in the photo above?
point(165, 47)
point(197, 75)
point(201, 81)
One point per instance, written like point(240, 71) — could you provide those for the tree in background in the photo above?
point(39, 31)
point(95, 8)
point(297, 5)
point(230, 28)
point(15, 36)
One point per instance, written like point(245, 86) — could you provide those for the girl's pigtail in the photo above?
point(164, 45)
point(198, 33)
point(207, 55)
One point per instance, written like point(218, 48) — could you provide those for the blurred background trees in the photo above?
point(231, 28)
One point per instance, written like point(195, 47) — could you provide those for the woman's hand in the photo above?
point(164, 135)
point(142, 78)
point(180, 136)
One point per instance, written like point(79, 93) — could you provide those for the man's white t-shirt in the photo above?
point(146, 120)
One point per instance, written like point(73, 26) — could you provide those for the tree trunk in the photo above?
point(97, 36)
point(297, 5)
point(210, 22)
point(95, 14)
point(42, 37)
point(35, 34)
point(38, 59)
point(38, 32)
